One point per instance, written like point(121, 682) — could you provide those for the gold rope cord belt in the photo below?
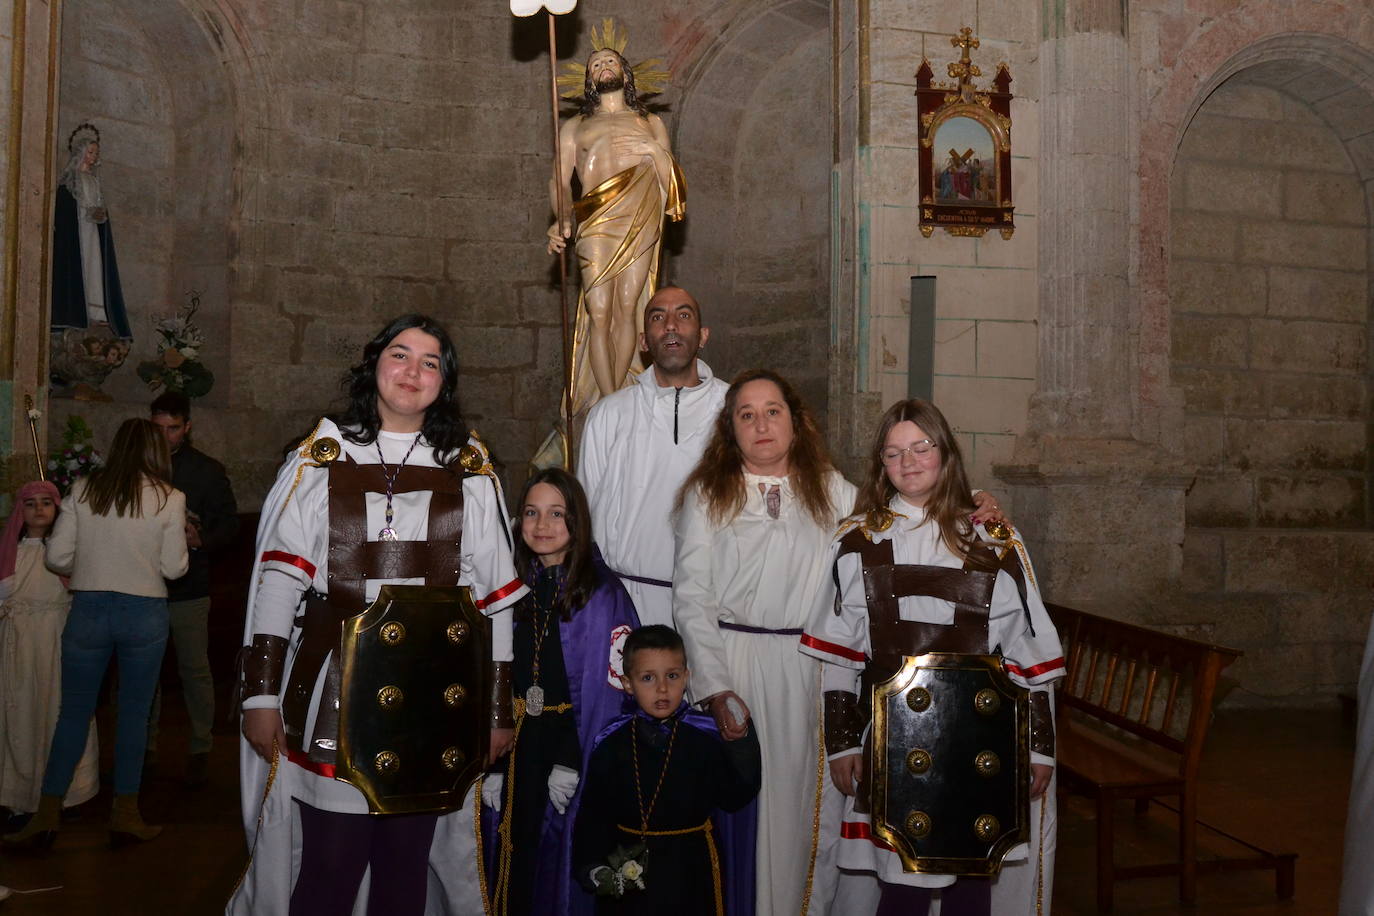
point(710, 848)
point(520, 709)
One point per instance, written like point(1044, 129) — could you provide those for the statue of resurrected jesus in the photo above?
point(630, 181)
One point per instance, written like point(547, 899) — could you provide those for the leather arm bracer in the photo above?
point(263, 662)
point(843, 722)
point(1041, 724)
point(502, 707)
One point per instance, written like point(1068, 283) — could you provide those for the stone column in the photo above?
point(29, 46)
point(1103, 506)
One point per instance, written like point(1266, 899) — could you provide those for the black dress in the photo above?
point(544, 741)
point(704, 774)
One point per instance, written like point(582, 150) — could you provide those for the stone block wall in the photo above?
point(1270, 305)
point(986, 289)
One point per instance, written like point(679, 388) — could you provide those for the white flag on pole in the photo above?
point(530, 7)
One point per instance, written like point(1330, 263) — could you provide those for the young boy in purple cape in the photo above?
point(650, 836)
point(568, 633)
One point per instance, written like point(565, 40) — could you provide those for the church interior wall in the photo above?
point(753, 130)
point(1273, 422)
point(153, 87)
point(985, 353)
point(1269, 287)
point(369, 157)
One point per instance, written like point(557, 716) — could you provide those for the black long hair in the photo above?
point(579, 571)
point(443, 427)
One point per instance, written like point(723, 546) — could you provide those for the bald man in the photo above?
point(639, 445)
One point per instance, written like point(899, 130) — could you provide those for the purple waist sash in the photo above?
point(762, 631)
point(643, 580)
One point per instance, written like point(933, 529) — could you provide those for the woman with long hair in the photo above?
point(391, 490)
point(755, 519)
point(568, 633)
point(913, 514)
point(120, 535)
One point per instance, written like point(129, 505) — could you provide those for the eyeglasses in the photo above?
point(917, 450)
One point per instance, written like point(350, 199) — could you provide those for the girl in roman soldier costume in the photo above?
point(568, 634)
point(912, 510)
point(391, 491)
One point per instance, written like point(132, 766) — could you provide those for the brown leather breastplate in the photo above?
point(969, 589)
point(353, 559)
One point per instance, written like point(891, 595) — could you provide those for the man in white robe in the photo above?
point(639, 445)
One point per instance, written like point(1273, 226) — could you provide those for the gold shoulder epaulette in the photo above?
point(474, 457)
point(309, 441)
point(846, 526)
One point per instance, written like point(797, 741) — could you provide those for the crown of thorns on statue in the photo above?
point(649, 79)
point(86, 129)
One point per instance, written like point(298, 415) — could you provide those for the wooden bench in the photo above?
point(1133, 713)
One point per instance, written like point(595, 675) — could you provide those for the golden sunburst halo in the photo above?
point(650, 79)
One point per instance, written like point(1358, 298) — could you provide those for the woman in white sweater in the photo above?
point(121, 533)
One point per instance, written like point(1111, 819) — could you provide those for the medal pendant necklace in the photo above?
point(534, 697)
point(388, 533)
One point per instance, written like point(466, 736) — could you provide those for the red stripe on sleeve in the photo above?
point(319, 769)
point(504, 591)
point(857, 830)
point(277, 556)
point(821, 645)
point(1037, 670)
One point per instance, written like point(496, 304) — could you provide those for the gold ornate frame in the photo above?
point(940, 102)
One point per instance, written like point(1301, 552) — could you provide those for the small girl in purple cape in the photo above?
point(568, 635)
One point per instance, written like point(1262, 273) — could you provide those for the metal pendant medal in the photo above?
point(387, 534)
point(534, 700)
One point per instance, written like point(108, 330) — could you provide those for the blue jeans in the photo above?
point(133, 628)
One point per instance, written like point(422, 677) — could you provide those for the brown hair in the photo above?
point(138, 455)
point(579, 568)
point(719, 475)
point(949, 503)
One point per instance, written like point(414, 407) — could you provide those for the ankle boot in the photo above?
point(41, 829)
point(126, 824)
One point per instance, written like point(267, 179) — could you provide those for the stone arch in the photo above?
point(1258, 576)
point(1270, 304)
point(1253, 33)
point(175, 89)
point(754, 130)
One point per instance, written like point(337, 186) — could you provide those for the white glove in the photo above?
point(562, 785)
point(492, 786)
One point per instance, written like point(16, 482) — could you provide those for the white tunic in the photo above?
point(762, 572)
point(1357, 879)
point(841, 641)
point(33, 611)
point(292, 549)
point(638, 446)
point(86, 190)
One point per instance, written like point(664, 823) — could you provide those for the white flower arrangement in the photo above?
point(178, 366)
point(624, 871)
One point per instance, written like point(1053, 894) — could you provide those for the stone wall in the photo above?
point(754, 132)
point(1270, 305)
point(986, 295)
point(1270, 300)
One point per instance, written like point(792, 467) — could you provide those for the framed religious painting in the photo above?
point(965, 148)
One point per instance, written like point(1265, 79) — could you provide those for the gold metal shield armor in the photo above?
point(950, 752)
point(413, 724)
